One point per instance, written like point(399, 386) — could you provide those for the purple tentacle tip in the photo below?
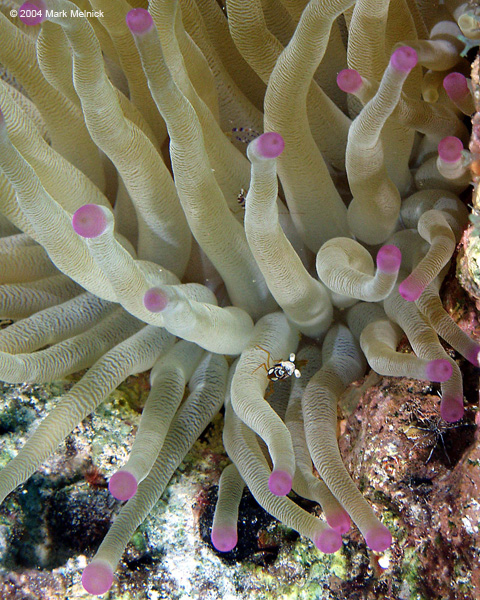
point(455, 84)
point(410, 289)
point(155, 300)
point(269, 145)
point(89, 221)
point(451, 409)
point(32, 14)
point(97, 578)
point(379, 538)
point(123, 485)
point(349, 80)
point(339, 520)
point(439, 370)
point(474, 356)
point(328, 541)
point(404, 59)
point(224, 538)
point(389, 259)
point(450, 149)
point(280, 483)
point(139, 20)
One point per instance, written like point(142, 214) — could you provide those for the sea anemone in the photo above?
point(143, 227)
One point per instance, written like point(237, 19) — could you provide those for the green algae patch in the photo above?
point(410, 570)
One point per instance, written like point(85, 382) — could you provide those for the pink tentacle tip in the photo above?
point(89, 221)
point(280, 483)
point(224, 538)
point(31, 13)
point(139, 20)
point(456, 86)
point(439, 370)
point(404, 59)
point(379, 538)
point(328, 541)
point(450, 149)
point(123, 485)
point(339, 520)
point(410, 289)
point(97, 577)
point(349, 80)
point(389, 259)
point(451, 409)
point(474, 356)
point(269, 145)
point(155, 300)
